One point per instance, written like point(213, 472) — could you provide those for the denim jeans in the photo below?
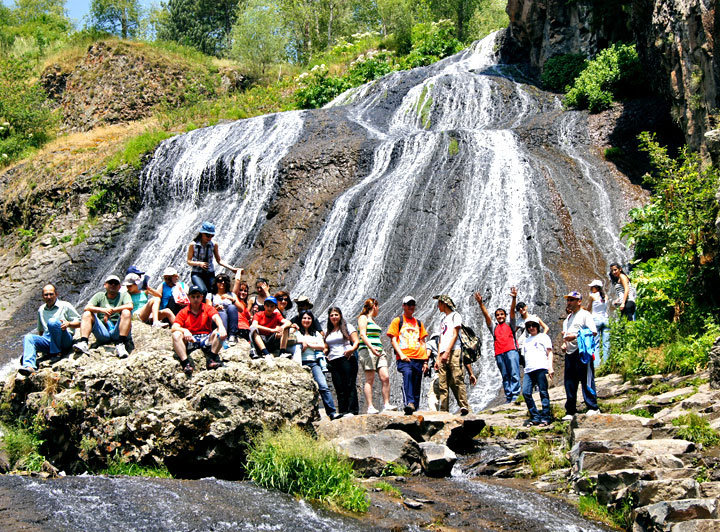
point(412, 374)
point(106, 332)
point(537, 378)
point(578, 373)
point(602, 343)
point(509, 365)
point(325, 394)
point(53, 341)
point(205, 280)
point(229, 317)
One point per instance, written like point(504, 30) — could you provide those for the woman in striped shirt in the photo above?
point(372, 357)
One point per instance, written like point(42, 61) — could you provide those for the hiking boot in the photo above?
point(82, 347)
point(121, 351)
point(26, 371)
point(464, 411)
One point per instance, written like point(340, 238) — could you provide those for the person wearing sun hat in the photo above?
point(576, 371)
point(200, 254)
point(538, 365)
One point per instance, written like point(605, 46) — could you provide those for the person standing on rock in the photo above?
point(449, 364)
point(372, 358)
point(193, 329)
point(521, 332)
point(624, 291)
point(507, 356)
point(55, 317)
point(577, 371)
point(108, 315)
point(201, 252)
point(598, 308)
point(408, 340)
point(341, 342)
point(303, 303)
point(538, 365)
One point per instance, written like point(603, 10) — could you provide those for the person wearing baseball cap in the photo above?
point(269, 329)
point(108, 315)
point(449, 364)
point(144, 307)
point(408, 335)
point(598, 307)
point(577, 372)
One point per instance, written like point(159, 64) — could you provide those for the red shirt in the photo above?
point(271, 322)
point(504, 338)
point(244, 318)
point(197, 323)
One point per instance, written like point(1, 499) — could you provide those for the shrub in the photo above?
point(544, 456)
point(318, 88)
point(119, 466)
point(290, 460)
point(430, 43)
point(560, 71)
point(615, 73)
point(23, 448)
point(696, 429)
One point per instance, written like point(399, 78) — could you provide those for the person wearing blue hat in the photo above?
point(201, 252)
point(143, 280)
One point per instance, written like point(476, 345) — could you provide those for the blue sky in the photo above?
point(77, 9)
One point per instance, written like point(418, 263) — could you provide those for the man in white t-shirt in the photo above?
point(538, 365)
point(576, 371)
point(449, 364)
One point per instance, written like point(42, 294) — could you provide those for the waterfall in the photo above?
point(477, 182)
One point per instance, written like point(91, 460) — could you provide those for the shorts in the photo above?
point(200, 341)
point(370, 362)
point(271, 341)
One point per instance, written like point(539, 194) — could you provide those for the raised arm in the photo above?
point(543, 325)
point(216, 252)
point(513, 293)
point(488, 319)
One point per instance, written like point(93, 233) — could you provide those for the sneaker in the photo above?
point(409, 409)
point(121, 351)
point(389, 407)
point(349, 414)
point(464, 411)
point(232, 339)
point(372, 410)
point(82, 347)
point(270, 360)
point(226, 345)
point(593, 412)
point(254, 353)
point(567, 417)
point(335, 416)
point(26, 371)
point(160, 325)
point(530, 423)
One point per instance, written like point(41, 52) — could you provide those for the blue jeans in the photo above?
point(412, 374)
point(601, 353)
point(106, 332)
point(537, 378)
point(205, 280)
point(229, 317)
point(53, 341)
point(509, 365)
point(325, 394)
point(578, 373)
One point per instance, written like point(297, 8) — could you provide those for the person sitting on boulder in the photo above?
point(173, 293)
point(193, 329)
point(55, 317)
point(227, 305)
point(145, 308)
point(108, 315)
point(269, 330)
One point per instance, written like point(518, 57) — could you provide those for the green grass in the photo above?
point(389, 489)
point(118, 466)
point(453, 148)
point(490, 431)
point(589, 507)
point(23, 448)
point(290, 460)
point(546, 455)
point(395, 470)
point(696, 429)
point(136, 147)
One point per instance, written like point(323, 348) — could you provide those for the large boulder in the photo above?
point(372, 453)
point(90, 408)
point(661, 515)
point(437, 459)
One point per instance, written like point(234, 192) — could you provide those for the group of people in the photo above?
point(210, 314)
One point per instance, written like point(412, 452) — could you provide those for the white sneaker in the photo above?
point(349, 414)
point(389, 407)
point(592, 412)
point(567, 417)
point(82, 347)
point(372, 410)
point(160, 325)
point(270, 360)
point(121, 351)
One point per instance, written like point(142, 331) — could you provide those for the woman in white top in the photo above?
point(312, 344)
point(597, 306)
point(227, 305)
point(341, 341)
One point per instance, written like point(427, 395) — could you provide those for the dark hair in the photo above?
point(519, 306)
point(225, 279)
point(497, 309)
point(247, 287)
point(610, 274)
point(49, 284)
point(284, 293)
point(602, 293)
point(311, 330)
point(368, 306)
point(343, 325)
point(198, 237)
point(261, 280)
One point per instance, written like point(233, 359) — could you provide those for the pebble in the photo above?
point(412, 504)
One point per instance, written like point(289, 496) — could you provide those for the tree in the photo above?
point(259, 37)
point(202, 24)
point(119, 17)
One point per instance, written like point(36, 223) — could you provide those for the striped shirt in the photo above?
point(373, 334)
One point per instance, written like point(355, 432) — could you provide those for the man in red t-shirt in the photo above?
point(193, 329)
point(269, 330)
point(507, 356)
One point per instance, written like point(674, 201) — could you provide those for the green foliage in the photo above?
point(696, 429)
point(393, 469)
point(318, 87)
point(589, 506)
point(615, 73)
point(118, 17)
point(545, 455)
point(26, 238)
point(389, 489)
point(23, 448)
point(560, 71)
point(613, 153)
point(290, 460)
point(136, 148)
point(490, 16)
point(430, 43)
point(201, 24)
point(453, 148)
point(119, 466)
point(258, 38)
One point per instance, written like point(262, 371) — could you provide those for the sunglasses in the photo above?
point(283, 298)
point(114, 282)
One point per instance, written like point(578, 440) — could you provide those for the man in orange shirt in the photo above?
point(408, 340)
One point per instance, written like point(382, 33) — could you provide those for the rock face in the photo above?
point(372, 453)
point(145, 409)
point(714, 364)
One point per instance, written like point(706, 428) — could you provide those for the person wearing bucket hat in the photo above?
point(538, 365)
point(577, 372)
point(108, 315)
point(200, 254)
point(145, 307)
point(449, 364)
point(173, 296)
point(597, 305)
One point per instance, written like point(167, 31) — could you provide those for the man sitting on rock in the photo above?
point(108, 315)
point(55, 317)
point(269, 330)
point(193, 329)
point(145, 308)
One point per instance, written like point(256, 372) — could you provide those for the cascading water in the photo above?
point(477, 182)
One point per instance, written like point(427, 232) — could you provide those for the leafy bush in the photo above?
point(615, 73)
point(119, 466)
point(23, 448)
point(290, 460)
point(368, 67)
point(696, 429)
point(430, 43)
point(560, 71)
point(318, 88)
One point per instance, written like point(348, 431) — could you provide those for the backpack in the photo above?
point(471, 344)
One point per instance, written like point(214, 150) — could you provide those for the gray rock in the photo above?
point(349, 427)
point(672, 396)
point(614, 434)
point(371, 453)
point(437, 459)
point(697, 525)
point(5, 464)
point(412, 504)
point(710, 489)
point(659, 516)
point(714, 363)
point(652, 491)
point(457, 432)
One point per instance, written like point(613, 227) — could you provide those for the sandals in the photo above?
point(188, 366)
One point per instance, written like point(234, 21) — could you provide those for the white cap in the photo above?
point(408, 299)
point(112, 278)
point(596, 282)
point(169, 272)
point(131, 279)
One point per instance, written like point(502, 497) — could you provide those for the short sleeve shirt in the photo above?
point(535, 351)
point(101, 300)
point(61, 310)
point(447, 327)
point(409, 337)
point(337, 344)
point(138, 300)
point(272, 321)
point(200, 323)
point(573, 323)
